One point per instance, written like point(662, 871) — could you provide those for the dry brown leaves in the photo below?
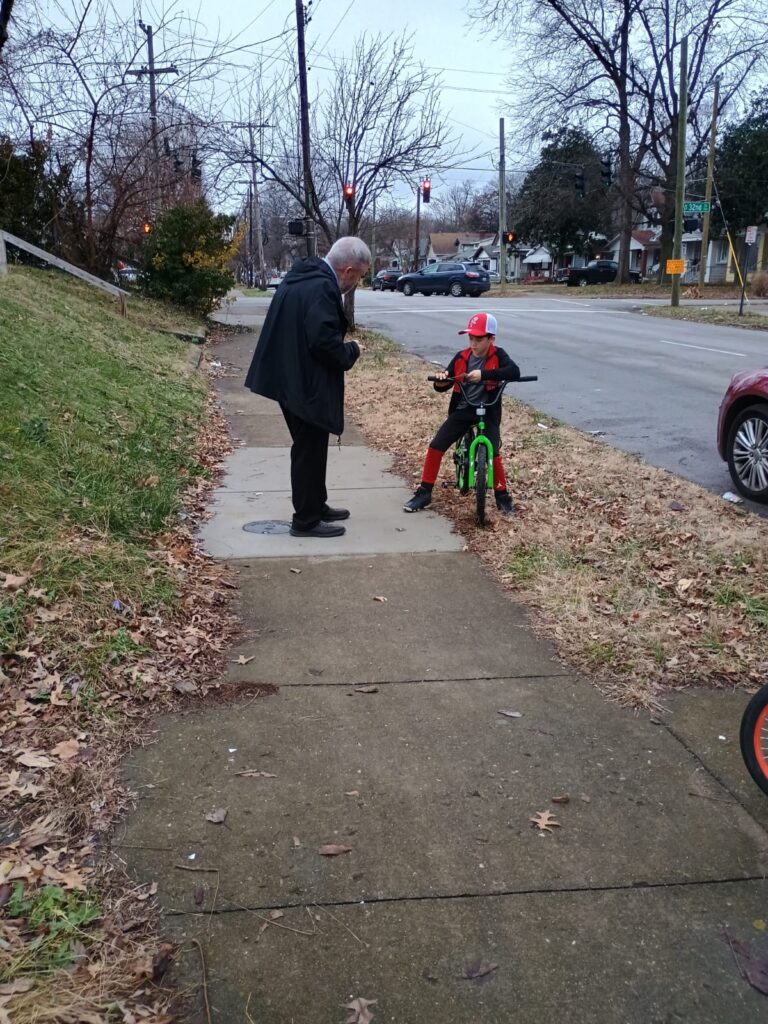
point(641, 579)
point(59, 759)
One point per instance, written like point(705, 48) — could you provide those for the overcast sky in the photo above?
point(472, 64)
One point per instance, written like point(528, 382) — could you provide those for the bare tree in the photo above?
point(612, 69)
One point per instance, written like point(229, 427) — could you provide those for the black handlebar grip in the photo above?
point(526, 378)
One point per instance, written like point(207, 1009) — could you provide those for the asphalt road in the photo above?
point(651, 386)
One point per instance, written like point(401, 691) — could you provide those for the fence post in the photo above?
point(3, 256)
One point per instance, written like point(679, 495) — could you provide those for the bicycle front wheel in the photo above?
point(481, 483)
point(754, 738)
point(461, 461)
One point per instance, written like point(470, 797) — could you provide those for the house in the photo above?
point(538, 262)
point(644, 250)
point(454, 245)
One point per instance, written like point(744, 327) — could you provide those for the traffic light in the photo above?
point(296, 227)
point(606, 171)
point(691, 223)
point(146, 227)
point(426, 189)
point(578, 182)
point(349, 192)
point(510, 237)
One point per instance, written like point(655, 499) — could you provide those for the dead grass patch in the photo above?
point(641, 579)
point(754, 319)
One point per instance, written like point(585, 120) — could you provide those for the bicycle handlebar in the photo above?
point(457, 380)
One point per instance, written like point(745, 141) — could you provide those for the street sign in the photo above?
point(675, 266)
point(751, 236)
point(696, 207)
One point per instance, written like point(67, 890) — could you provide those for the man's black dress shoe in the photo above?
point(321, 530)
point(332, 515)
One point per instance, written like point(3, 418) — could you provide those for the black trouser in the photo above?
point(458, 423)
point(309, 458)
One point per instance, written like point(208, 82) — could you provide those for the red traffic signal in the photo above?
point(349, 191)
point(510, 237)
point(426, 189)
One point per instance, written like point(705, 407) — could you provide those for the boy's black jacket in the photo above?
point(507, 370)
point(301, 354)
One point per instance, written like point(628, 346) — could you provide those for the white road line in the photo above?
point(468, 309)
point(703, 348)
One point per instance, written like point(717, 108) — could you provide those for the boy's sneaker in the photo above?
point(421, 498)
point(504, 503)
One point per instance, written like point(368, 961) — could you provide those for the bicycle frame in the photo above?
point(480, 438)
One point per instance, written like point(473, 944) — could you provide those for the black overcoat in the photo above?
point(301, 354)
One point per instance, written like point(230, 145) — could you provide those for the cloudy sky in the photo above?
point(471, 62)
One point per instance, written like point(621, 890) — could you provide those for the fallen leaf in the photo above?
point(275, 915)
point(199, 895)
point(676, 506)
point(254, 773)
point(511, 714)
point(561, 799)
point(5, 893)
point(545, 821)
point(382, 599)
point(366, 689)
point(333, 850)
point(34, 759)
point(66, 750)
point(13, 988)
point(217, 815)
point(152, 481)
point(585, 799)
point(352, 792)
point(758, 924)
point(185, 687)
point(161, 961)
point(12, 582)
point(296, 842)
point(683, 585)
point(242, 660)
point(361, 1012)
point(479, 969)
point(297, 571)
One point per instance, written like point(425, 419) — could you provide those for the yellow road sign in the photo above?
point(675, 266)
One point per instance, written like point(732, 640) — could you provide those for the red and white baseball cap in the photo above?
point(480, 324)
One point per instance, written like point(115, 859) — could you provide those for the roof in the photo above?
point(447, 242)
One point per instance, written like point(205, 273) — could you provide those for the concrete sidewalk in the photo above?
point(449, 906)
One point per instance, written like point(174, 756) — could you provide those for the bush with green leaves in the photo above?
point(187, 257)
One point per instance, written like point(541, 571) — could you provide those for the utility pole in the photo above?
point(250, 237)
point(677, 247)
point(257, 213)
point(418, 225)
point(708, 189)
point(153, 72)
point(373, 242)
point(304, 121)
point(502, 209)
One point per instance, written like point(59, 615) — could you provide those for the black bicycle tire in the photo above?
point(749, 721)
point(481, 483)
point(462, 462)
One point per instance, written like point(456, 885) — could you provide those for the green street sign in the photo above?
point(696, 207)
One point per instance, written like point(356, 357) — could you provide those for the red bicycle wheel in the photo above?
point(754, 738)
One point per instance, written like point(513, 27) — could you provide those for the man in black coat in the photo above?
point(300, 361)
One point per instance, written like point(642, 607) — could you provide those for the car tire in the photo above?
point(456, 289)
point(583, 282)
point(408, 288)
point(376, 286)
point(747, 452)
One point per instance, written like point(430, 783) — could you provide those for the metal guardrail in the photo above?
point(55, 261)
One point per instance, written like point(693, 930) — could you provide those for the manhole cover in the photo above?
point(267, 526)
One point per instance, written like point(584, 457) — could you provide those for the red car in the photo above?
point(742, 432)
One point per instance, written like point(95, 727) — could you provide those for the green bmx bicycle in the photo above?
point(473, 453)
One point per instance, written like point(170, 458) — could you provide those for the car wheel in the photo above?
point(456, 289)
point(747, 452)
point(376, 286)
point(583, 282)
point(407, 288)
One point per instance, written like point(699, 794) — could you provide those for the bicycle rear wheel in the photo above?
point(461, 461)
point(481, 483)
point(754, 738)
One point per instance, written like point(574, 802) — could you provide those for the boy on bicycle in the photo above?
point(479, 367)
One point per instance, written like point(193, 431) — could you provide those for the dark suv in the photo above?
point(446, 279)
point(385, 280)
point(597, 272)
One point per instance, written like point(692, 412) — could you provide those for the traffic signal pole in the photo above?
point(708, 189)
point(304, 120)
point(502, 210)
point(682, 117)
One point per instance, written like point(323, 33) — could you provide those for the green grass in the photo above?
point(257, 293)
point(97, 419)
point(59, 919)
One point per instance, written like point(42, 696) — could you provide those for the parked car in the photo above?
point(742, 432)
point(386, 280)
point(446, 279)
point(275, 280)
point(124, 274)
point(562, 274)
point(597, 272)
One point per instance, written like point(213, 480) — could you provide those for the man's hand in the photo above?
point(473, 377)
point(360, 345)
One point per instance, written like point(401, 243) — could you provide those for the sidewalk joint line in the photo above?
point(410, 682)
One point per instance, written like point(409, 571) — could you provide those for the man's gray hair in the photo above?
point(349, 252)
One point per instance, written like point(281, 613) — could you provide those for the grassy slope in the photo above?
point(96, 417)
